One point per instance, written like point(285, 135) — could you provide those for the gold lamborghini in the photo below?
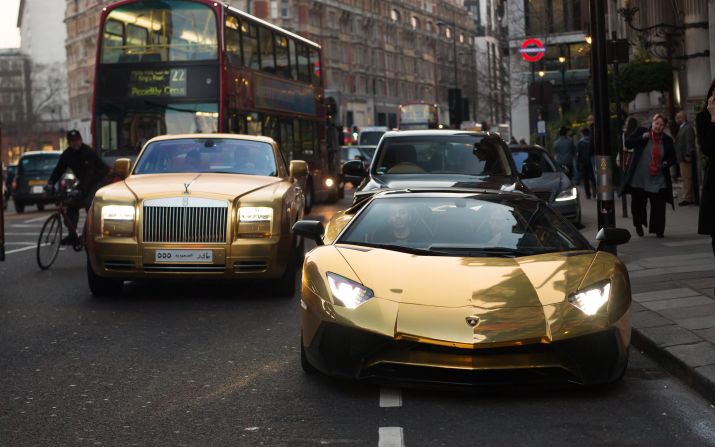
point(462, 286)
point(198, 206)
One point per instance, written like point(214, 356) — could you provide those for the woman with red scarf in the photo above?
point(648, 176)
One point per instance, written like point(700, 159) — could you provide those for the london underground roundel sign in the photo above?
point(532, 50)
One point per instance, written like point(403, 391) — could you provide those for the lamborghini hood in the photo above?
point(457, 282)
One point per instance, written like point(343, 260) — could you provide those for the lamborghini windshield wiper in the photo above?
point(401, 248)
point(505, 252)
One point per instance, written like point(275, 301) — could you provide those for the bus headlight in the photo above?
point(329, 182)
point(254, 221)
point(118, 220)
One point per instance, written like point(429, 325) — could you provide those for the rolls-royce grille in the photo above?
point(185, 219)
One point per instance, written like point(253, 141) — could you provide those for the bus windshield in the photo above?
point(124, 130)
point(171, 30)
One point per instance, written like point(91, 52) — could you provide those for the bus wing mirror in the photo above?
point(298, 169)
point(122, 166)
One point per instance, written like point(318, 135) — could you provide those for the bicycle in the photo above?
point(50, 240)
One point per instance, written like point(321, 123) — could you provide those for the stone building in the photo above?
point(378, 54)
point(16, 104)
point(492, 49)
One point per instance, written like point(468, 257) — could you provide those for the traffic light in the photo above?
point(455, 107)
point(356, 132)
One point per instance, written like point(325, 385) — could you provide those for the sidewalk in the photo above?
point(672, 282)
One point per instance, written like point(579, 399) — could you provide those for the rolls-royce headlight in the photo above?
point(348, 293)
point(591, 299)
point(118, 220)
point(254, 221)
point(567, 194)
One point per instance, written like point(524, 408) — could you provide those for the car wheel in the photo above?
point(285, 286)
point(308, 197)
point(40, 207)
point(304, 363)
point(341, 190)
point(19, 207)
point(103, 287)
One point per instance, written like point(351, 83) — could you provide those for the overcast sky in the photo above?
point(9, 34)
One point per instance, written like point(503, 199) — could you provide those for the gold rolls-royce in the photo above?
point(206, 206)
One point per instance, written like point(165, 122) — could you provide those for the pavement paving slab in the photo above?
point(672, 281)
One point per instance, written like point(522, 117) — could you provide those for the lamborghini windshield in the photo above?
point(207, 155)
point(463, 226)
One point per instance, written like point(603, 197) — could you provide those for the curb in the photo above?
point(674, 365)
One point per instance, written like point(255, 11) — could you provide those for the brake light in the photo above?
point(14, 184)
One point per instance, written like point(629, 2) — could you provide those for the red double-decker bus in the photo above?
point(198, 66)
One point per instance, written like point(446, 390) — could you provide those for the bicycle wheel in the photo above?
point(48, 245)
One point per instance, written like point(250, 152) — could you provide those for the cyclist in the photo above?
point(90, 171)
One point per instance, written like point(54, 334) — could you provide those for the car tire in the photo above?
point(341, 190)
point(103, 287)
point(304, 363)
point(285, 286)
point(308, 197)
point(40, 207)
point(19, 207)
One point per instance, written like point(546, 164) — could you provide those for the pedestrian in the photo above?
point(564, 150)
point(684, 151)
point(648, 176)
point(705, 124)
point(584, 154)
point(91, 172)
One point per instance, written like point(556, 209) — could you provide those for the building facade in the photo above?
point(492, 49)
point(554, 88)
point(16, 104)
point(42, 34)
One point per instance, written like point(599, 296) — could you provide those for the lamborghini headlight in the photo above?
point(566, 194)
point(590, 300)
point(348, 293)
point(118, 220)
point(255, 221)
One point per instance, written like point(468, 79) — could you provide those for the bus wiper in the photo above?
point(168, 107)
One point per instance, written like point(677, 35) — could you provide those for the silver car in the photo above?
point(554, 185)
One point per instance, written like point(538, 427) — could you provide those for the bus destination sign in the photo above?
point(157, 83)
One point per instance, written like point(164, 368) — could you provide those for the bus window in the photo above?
point(237, 123)
point(297, 147)
point(282, 58)
point(233, 41)
point(268, 62)
point(160, 32)
point(303, 64)
point(113, 39)
point(293, 55)
point(249, 39)
point(286, 143)
point(270, 127)
point(315, 65)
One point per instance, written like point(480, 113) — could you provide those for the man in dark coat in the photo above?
point(648, 175)
point(705, 123)
point(89, 170)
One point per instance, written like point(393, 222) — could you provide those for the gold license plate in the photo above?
point(37, 182)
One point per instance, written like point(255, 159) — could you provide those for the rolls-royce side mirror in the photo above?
point(122, 167)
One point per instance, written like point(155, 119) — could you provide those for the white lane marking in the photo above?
point(390, 397)
point(22, 234)
point(37, 219)
point(31, 247)
point(26, 225)
point(20, 243)
point(390, 437)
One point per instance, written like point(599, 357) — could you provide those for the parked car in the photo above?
point(466, 286)
point(440, 158)
point(198, 206)
point(33, 172)
point(554, 185)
